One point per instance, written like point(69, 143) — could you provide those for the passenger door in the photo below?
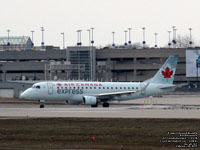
point(50, 88)
point(143, 89)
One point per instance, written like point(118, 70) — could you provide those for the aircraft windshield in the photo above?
point(37, 87)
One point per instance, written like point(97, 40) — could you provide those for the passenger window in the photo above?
point(86, 87)
point(124, 87)
point(136, 87)
point(107, 87)
point(133, 88)
point(128, 87)
point(82, 87)
point(99, 87)
point(111, 87)
point(90, 87)
point(38, 87)
point(120, 87)
point(94, 87)
point(116, 88)
point(103, 87)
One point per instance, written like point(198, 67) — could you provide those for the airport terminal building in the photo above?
point(74, 63)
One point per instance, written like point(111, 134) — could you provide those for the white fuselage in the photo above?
point(75, 91)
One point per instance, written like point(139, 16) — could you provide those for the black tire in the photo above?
point(96, 105)
point(106, 104)
point(42, 106)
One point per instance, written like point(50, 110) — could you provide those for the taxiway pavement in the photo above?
point(165, 107)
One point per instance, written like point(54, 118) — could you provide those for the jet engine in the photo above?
point(89, 100)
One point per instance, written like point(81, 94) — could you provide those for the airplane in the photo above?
point(94, 93)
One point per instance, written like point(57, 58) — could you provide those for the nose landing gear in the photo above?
point(42, 105)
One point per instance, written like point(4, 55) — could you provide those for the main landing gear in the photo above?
point(106, 104)
point(42, 103)
point(96, 105)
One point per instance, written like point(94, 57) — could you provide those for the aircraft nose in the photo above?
point(21, 95)
point(24, 95)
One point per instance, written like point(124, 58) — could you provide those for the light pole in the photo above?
point(113, 36)
point(63, 34)
point(156, 39)
point(125, 37)
point(79, 38)
point(190, 42)
point(175, 30)
point(89, 37)
point(169, 43)
point(92, 29)
point(144, 42)
point(8, 44)
point(89, 31)
point(92, 42)
point(78, 51)
point(32, 37)
point(129, 30)
point(42, 29)
point(174, 35)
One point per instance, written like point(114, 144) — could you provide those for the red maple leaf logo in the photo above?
point(59, 84)
point(167, 73)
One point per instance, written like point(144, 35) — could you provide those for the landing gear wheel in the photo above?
point(42, 106)
point(42, 103)
point(106, 105)
point(96, 105)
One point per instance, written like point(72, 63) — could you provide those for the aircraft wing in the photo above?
point(113, 94)
point(108, 96)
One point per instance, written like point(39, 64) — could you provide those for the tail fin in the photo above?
point(166, 73)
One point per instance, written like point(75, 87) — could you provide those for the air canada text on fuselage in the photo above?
point(79, 84)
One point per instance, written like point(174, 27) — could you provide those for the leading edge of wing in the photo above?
point(113, 94)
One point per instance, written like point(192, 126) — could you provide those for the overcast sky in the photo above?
point(56, 16)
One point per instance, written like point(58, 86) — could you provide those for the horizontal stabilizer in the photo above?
point(173, 86)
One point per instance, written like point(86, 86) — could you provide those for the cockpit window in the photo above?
point(37, 87)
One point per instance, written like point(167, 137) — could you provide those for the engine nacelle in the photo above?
point(89, 100)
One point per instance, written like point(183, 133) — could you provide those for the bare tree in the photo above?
point(184, 41)
point(137, 45)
